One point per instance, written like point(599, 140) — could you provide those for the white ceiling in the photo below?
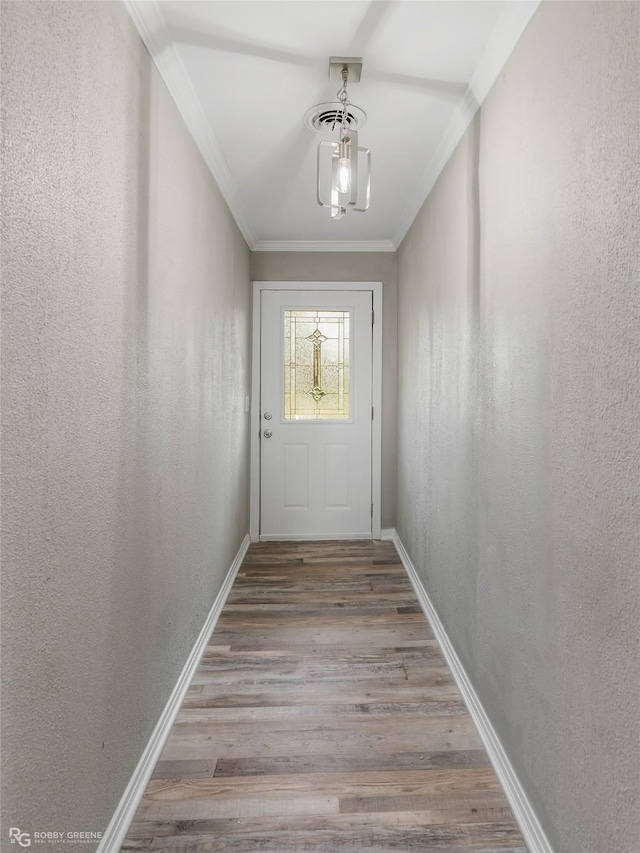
point(244, 72)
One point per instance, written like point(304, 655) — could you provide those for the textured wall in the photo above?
point(519, 415)
point(353, 266)
point(125, 443)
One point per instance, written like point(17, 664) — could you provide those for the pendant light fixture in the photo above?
point(344, 168)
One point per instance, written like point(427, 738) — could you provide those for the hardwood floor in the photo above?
point(323, 717)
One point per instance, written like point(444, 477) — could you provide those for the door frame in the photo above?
point(375, 287)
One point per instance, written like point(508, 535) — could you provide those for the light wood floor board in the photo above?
point(323, 718)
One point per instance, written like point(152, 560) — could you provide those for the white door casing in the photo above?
point(315, 478)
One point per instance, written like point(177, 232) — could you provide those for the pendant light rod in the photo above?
point(343, 97)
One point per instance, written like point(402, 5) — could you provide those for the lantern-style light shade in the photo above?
point(344, 175)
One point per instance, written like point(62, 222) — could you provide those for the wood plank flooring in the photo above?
point(323, 717)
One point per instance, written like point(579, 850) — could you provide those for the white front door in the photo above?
point(315, 413)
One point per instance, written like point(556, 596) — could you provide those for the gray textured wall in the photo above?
point(353, 266)
point(125, 443)
point(519, 415)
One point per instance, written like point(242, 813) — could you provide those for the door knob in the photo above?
point(267, 433)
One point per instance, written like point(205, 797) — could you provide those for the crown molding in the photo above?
point(323, 246)
point(506, 33)
point(152, 27)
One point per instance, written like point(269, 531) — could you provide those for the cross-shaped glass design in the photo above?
point(317, 338)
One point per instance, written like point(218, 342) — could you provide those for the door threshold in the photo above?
point(310, 537)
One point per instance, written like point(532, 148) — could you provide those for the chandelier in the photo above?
point(344, 168)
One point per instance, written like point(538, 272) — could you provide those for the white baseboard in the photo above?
point(123, 815)
point(388, 533)
point(532, 831)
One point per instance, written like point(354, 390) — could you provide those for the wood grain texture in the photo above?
point(323, 717)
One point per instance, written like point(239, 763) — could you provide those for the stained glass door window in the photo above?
point(316, 365)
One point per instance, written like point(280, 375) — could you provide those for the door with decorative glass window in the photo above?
point(315, 414)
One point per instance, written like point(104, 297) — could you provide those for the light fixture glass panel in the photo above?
point(357, 196)
point(316, 365)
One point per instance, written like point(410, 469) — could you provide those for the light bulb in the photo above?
point(343, 174)
point(343, 178)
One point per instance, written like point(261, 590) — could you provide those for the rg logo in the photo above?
point(23, 838)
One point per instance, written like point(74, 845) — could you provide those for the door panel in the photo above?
point(296, 475)
point(315, 413)
point(337, 469)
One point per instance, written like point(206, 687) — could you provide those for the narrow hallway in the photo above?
point(323, 717)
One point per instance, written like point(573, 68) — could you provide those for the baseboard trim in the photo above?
point(126, 809)
point(534, 836)
point(388, 533)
